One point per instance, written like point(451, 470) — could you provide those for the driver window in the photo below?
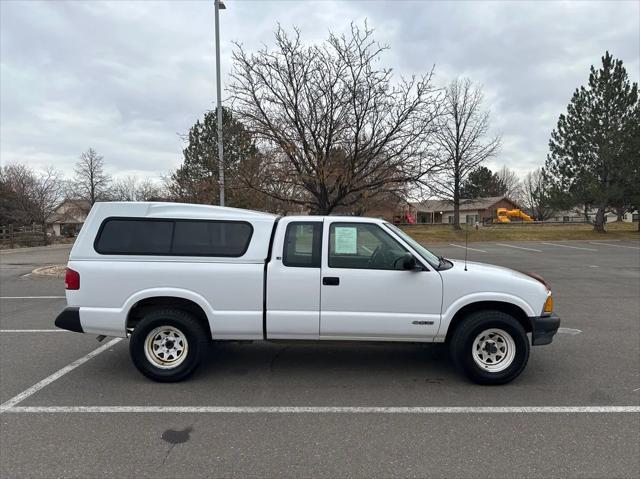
point(363, 246)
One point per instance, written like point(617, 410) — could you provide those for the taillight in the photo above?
point(72, 279)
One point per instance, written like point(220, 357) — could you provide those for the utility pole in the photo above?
point(219, 4)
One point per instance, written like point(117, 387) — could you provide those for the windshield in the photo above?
point(431, 258)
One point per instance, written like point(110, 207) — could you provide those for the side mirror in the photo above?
point(409, 262)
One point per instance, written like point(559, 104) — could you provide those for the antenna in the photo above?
point(466, 245)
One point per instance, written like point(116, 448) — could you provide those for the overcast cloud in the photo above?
point(126, 78)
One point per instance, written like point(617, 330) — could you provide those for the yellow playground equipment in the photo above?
point(504, 215)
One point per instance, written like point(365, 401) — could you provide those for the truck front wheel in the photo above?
point(490, 347)
point(166, 345)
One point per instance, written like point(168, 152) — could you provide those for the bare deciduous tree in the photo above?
point(123, 189)
point(461, 135)
point(16, 186)
point(511, 184)
point(131, 188)
point(47, 193)
point(333, 126)
point(31, 197)
point(91, 183)
point(536, 197)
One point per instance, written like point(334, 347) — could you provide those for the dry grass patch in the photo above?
point(522, 232)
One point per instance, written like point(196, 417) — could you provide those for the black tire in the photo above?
point(462, 341)
point(194, 335)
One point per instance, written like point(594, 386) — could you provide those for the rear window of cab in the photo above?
point(173, 237)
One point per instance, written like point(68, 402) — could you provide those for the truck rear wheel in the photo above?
point(167, 344)
point(490, 347)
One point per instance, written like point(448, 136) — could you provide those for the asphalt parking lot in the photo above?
point(98, 417)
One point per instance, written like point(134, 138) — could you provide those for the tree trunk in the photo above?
point(456, 214)
point(45, 239)
point(599, 223)
point(456, 203)
point(620, 214)
point(321, 208)
point(586, 213)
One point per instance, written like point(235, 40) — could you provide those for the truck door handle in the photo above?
point(330, 281)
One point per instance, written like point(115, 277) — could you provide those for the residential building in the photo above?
point(480, 210)
point(576, 215)
point(68, 217)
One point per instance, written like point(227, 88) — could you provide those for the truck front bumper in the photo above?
point(69, 319)
point(543, 328)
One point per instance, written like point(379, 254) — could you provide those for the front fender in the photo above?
point(458, 304)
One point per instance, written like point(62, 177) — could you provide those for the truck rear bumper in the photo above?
point(543, 328)
point(69, 319)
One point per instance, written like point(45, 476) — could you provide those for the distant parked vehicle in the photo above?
point(174, 276)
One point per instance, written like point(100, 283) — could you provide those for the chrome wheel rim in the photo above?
point(166, 347)
point(494, 350)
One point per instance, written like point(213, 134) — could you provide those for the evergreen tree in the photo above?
point(197, 179)
point(631, 196)
point(594, 146)
point(482, 182)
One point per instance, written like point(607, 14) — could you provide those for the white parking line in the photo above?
point(329, 409)
point(31, 297)
point(34, 331)
point(464, 247)
point(573, 247)
point(57, 375)
point(519, 247)
point(614, 245)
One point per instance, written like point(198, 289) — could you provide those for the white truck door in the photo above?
point(293, 280)
point(365, 292)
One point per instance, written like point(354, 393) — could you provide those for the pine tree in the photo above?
point(594, 146)
point(197, 179)
point(482, 182)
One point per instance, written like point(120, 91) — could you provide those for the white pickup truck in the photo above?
point(175, 276)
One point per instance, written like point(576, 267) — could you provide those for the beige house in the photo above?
point(481, 210)
point(68, 217)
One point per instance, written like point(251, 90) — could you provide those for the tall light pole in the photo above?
point(219, 4)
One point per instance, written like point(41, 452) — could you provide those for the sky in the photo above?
point(128, 78)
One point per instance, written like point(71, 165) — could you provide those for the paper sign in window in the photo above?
point(346, 240)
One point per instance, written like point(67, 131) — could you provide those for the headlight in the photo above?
point(548, 305)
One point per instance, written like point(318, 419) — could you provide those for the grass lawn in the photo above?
point(522, 232)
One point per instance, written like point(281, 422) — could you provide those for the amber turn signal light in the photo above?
point(548, 305)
